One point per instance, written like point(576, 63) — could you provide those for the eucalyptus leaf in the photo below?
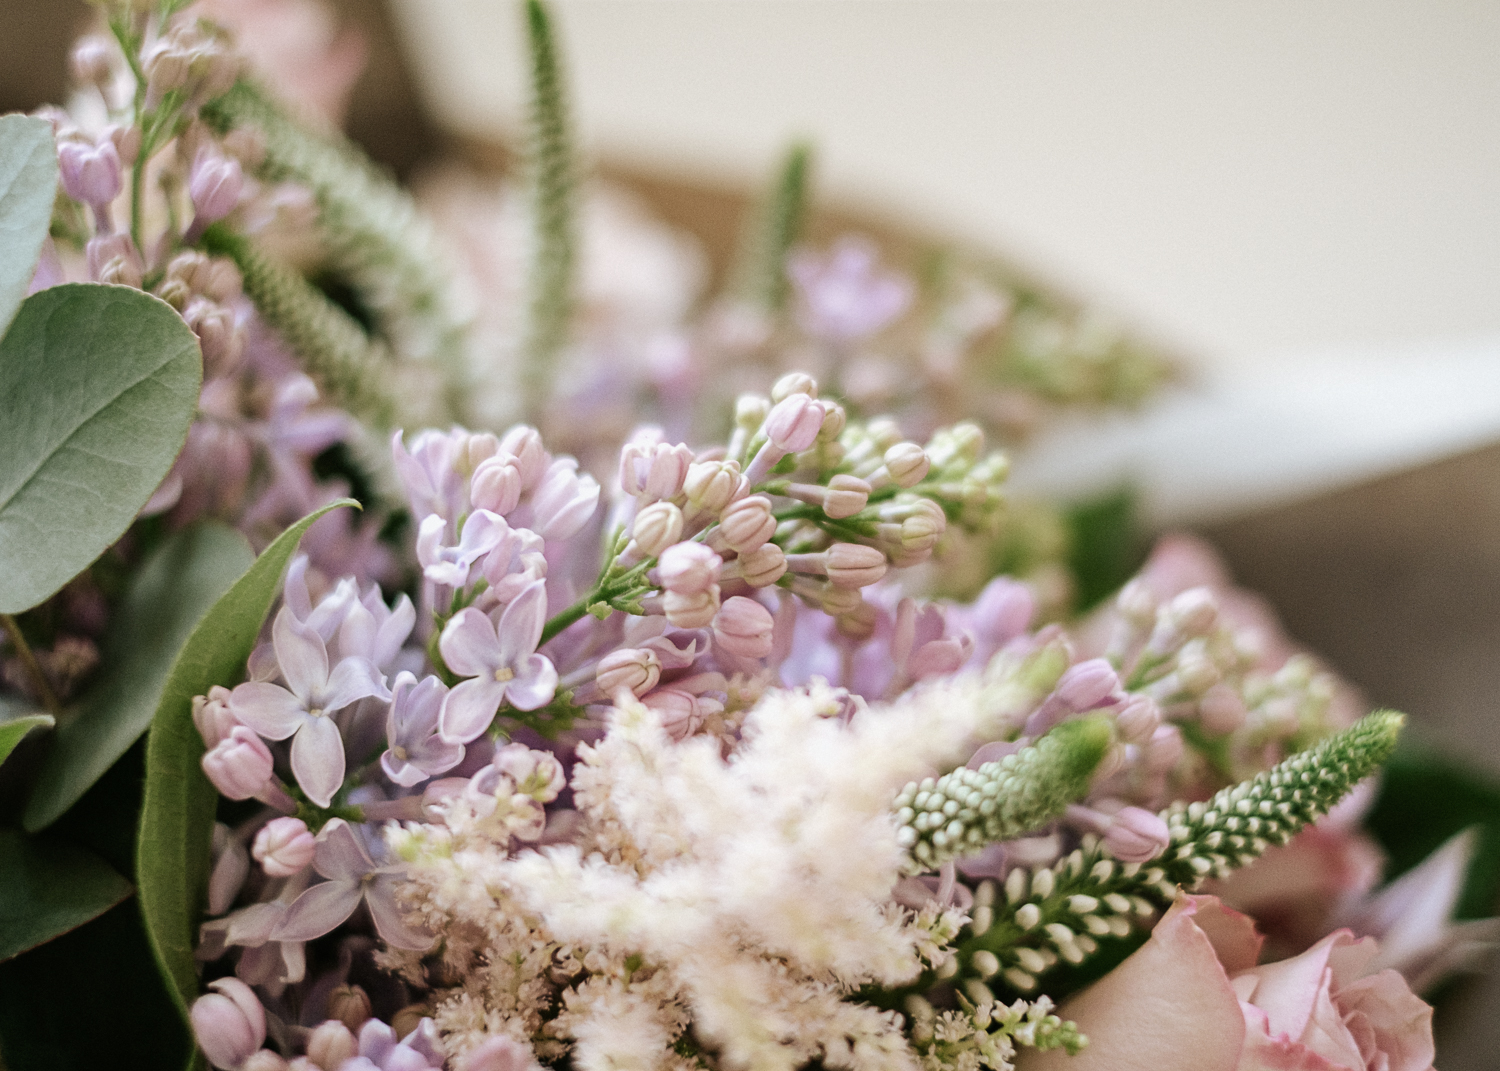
point(13, 730)
point(98, 385)
point(172, 853)
point(50, 888)
point(28, 186)
point(170, 593)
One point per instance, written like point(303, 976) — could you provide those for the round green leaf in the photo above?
point(50, 888)
point(177, 813)
point(167, 597)
point(28, 186)
point(98, 385)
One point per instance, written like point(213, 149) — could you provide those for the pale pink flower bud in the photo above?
point(750, 411)
point(654, 470)
point(563, 501)
point(89, 61)
point(219, 335)
point(712, 485)
point(264, 1060)
point(748, 524)
point(1087, 685)
point(636, 668)
point(212, 717)
point(834, 422)
point(846, 496)
point(126, 140)
point(657, 527)
point(229, 1023)
point(1193, 612)
point(167, 68)
point(678, 710)
point(794, 422)
point(1164, 750)
point(113, 258)
point(1135, 603)
point(90, 173)
point(743, 627)
point(1138, 719)
point(496, 485)
point(524, 443)
point(688, 568)
point(239, 765)
point(907, 464)
point(473, 449)
point(691, 611)
point(537, 774)
point(283, 847)
point(858, 623)
point(330, 1044)
point(762, 566)
point(215, 185)
point(1136, 835)
point(1196, 671)
point(1221, 710)
point(794, 383)
point(850, 565)
point(350, 1005)
point(498, 1053)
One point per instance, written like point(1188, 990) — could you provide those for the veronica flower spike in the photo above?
point(302, 708)
point(501, 662)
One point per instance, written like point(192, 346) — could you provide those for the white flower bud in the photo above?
point(907, 464)
point(710, 486)
point(239, 765)
point(691, 611)
point(330, 1044)
point(747, 523)
point(212, 717)
point(656, 528)
point(850, 565)
point(762, 566)
point(750, 411)
point(283, 846)
point(847, 495)
point(636, 668)
point(688, 568)
point(524, 443)
point(90, 61)
point(496, 484)
point(743, 627)
point(794, 383)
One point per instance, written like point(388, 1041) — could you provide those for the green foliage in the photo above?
point(98, 385)
point(551, 189)
point(1425, 799)
point(1105, 545)
point(28, 187)
point(962, 811)
point(172, 853)
point(349, 365)
point(759, 276)
point(51, 887)
point(13, 730)
point(167, 597)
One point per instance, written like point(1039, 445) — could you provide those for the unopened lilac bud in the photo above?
point(563, 501)
point(1136, 835)
point(907, 464)
point(524, 443)
point(962, 443)
point(1164, 750)
point(126, 140)
point(858, 623)
point(220, 337)
point(90, 61)
point(1136, 603)
point(678, 710)
point(851, 565)
point(265, 1060)
point(1221, 710)
point(654, 470)
point(747, 523)
point(794, 383)
point(167, 68)
point(350, 1005)
point(793, 423)
point(712, 485)
point(1193, 612)
point(330, 1044)
point(1087, 685)
point(113, 258)
point(691, 611)
point(283, 847)
point(212, 717)
point(750, 411)
point(846, 496)
point(688, 568)
point(215, 185)
point(656, 528)
point(229, 1023)
point(762, 566)
point(743, 627)
point(497, 1053)
point(636, 668)
point(834, 422)
point(1138, 719)
point(474, 449)
point(90, 173)
point(247, 145)
point(1196, 671)
point(239, 765)
point(496, 485)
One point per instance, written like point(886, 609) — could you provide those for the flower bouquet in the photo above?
point(687, 695)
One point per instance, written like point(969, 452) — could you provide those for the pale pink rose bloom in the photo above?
point(1192, 999)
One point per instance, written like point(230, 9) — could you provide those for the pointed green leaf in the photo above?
point(172, 854)
point(169, 595)
point(50, 888)
point(98, 385)
point(28, 186)
point(13, 730)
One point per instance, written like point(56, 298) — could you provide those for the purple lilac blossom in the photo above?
point(352, 876)
point(500, 661)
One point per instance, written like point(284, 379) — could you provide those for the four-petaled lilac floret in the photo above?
point(500, 661)
point(352, 875)
point(416, 751)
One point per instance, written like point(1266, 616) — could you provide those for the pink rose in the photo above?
point(1192, 999)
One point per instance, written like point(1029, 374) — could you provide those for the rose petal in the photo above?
point(1233, 935)
point(1285, 991)
point(319, 910)
point(318, 760)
